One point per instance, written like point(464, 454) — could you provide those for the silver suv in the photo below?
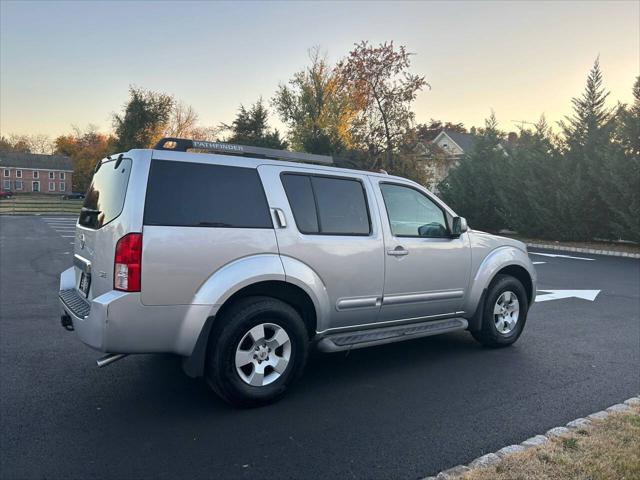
point(242, 258)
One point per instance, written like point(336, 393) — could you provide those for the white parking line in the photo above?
point(538, 263)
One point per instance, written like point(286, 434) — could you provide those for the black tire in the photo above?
point(229, 330)
point(489, 335)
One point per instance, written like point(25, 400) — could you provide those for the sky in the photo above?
point(71, 63)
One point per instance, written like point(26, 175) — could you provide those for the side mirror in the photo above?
point(459, 226)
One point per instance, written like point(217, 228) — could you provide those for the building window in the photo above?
point(35, 186)
point(18, 184)
point(63, 187)
point(6, 185)
point(18, 173)
point(6, 172)
point(52, 175)
point(52, 186)
point(61, 175)
point(36, 174)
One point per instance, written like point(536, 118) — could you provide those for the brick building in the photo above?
point(29, 172)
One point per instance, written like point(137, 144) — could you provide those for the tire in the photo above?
point(496, 330)
point(231, 338)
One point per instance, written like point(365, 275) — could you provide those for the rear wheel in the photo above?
point(504, 312)
point(258, 349)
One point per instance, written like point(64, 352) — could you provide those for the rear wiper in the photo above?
point(214, 224)
point(92, 211)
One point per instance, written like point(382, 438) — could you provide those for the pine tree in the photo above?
point(621, 181)
point(588, 133)
point(471, 187)
point(251, 127)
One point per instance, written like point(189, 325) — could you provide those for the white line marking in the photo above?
point(68, 236)
point(560, 294)
point(561, 256)
point(538, 263)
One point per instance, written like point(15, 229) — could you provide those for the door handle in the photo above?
point(399, 251)
point(280, 218)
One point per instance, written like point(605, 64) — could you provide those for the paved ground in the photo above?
point(396, 411)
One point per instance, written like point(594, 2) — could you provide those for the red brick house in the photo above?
point(29, 172)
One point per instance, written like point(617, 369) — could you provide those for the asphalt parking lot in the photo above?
point(397, 411)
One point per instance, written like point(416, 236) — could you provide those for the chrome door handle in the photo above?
point(398, 251)
point(280, 218)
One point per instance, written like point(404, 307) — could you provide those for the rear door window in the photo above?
point(201, 195)
point(104, 200)
point(327, 205)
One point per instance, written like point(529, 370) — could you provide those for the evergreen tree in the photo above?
point(528, 197)
point(471, 187)
point(145, 118)
point(588, 134)
point(251, 127)
point(621, 180)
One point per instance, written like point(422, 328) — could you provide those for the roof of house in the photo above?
point(465, 141)
point(35, 161)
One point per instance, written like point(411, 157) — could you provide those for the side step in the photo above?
point(379, 336)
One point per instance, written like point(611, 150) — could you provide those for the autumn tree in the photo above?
point(145, 118)
point(85, 148)
point(251, 127)
point(315, 109)
point(381, 89)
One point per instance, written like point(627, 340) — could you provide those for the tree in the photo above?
point(251, 127)
point(470, 188)
point(381, 89)
point(182, 121)
point(85, 148)
point(621, 180)
point(587, 139)
point(145, 118)
point(37, 143)
point(429, 131)
point(315, 109)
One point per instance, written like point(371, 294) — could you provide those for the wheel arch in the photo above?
point(504, 260)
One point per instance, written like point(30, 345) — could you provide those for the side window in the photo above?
point(187, 194)
point(327, 205)
point(300, 195)
point(411, 213)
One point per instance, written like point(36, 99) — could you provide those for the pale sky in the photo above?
point(70, 63)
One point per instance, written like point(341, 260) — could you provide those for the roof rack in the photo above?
point(183, 145)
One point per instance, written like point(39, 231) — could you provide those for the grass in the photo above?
point(25, 204)
point(606, 450)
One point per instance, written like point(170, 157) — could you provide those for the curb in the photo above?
point(593, 251)
point(494, 458)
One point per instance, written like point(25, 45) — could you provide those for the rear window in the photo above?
point(199, 195)
point(327, 205)
point(105, 198)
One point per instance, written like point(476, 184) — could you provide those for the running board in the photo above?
point(379, 336)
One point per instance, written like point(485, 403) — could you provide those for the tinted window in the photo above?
point(105, 198)
point(200, 195)
point(331, 206)
point(300, 195)
point(412, 214)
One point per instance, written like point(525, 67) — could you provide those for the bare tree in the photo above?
point(380, 86)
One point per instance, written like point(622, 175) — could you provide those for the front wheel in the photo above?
point(256, 352)
point(504, 312)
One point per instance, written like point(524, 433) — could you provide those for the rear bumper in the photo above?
point(117, 322)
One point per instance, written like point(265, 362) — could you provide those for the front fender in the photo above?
point(219, 287)
point(495, 261)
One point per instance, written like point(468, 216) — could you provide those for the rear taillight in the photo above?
point(126, 265)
